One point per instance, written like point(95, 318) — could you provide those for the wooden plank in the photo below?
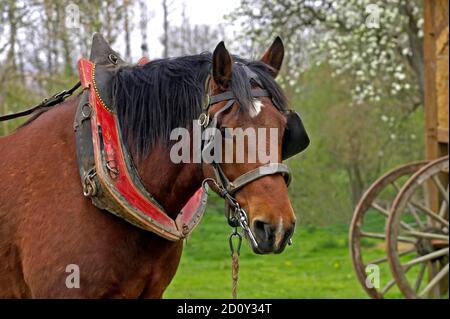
point(442, 135)
point(442, 52)
point(436, 62)
point(431, 124)
point(436, 51)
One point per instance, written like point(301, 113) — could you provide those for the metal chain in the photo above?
point(239, 213)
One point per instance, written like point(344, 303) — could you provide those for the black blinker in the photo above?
point(295, 139)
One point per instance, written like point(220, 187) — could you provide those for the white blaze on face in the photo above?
point(255, 108)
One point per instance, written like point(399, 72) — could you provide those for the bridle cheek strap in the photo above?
point(224, 186)
point(259, 172)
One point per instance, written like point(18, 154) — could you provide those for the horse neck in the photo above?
point(170, 184)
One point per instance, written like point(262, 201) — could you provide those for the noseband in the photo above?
point(235, 214)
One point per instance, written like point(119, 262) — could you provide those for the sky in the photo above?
point(209, 12)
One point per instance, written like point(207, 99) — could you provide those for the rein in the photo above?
point(46, 103)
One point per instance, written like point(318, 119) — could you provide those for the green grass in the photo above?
point(317, 265)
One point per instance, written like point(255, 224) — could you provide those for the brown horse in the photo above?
point(47, 224)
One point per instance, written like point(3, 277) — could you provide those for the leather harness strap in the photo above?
point(265, 170)
point(49, 102)
point(106, 164)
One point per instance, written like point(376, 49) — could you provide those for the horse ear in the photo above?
point(222, 66)
point(273, 57)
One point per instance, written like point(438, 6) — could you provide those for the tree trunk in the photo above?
point(143, 26)
point(356, 182)
point(126, 21)
point(165, 39)
point(11, 56)
point(416, 45)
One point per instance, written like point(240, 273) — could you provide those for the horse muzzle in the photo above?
point(270, 238)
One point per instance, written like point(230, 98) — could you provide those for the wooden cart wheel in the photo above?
point(412, 217)
point(367, 229)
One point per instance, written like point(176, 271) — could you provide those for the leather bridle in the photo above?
point(235, 214)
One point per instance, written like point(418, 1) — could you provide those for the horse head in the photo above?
point(246, 101)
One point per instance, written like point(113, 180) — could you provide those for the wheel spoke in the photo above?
point(427, 235)
point(383, 259)
point(385, 213)
point(420, 277)
point(378, 261)
point(414, 214)
point(436, 292)
point(388, 286)
point(425, 258)
point(395, 186)
point(430, 213)
point(391, 283)
point(411, 209)
point(380, 209)
point(441, 188)
point(441, 274)
point(406, 226)
point(383, 236)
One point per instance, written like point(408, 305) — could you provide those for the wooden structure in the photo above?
point(436, 54)
point(413, 200)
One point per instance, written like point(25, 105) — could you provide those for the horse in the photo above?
point(47, 224)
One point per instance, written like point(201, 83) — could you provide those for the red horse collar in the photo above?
point(108, 175)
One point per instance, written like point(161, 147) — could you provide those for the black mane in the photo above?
point(153, 99)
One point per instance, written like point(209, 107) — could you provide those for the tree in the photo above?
point(40, 43)
point(143, 22)
point(166, 4)
point(378, 45)
point(194, 39)
point(127, 28)
point(362, 121)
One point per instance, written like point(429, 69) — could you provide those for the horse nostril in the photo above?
point(264, 231)
point(289, 232)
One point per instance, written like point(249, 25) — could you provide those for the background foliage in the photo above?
point(338, 73)
point(358, 89)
